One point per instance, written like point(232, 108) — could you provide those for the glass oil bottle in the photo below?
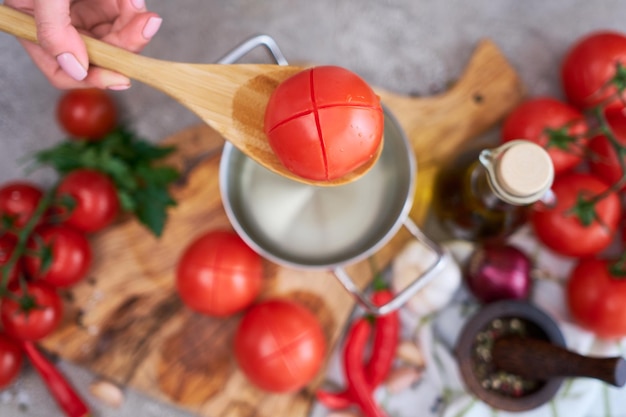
point(486, 194)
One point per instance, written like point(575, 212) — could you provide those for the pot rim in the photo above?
point(230, 149)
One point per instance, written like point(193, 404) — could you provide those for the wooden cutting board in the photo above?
point(127, 323)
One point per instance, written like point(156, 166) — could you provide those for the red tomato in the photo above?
point(531, 121)
point(324, 122)
point(7, 245)
point(19, 200)
point(37, 321)
point(71, 255)
point(219, 274)
point(10, 360)
point(603, 160)
point(588, 68)
point(280, 345)
point(95, 199)
point(87, 114)
point(597, 297)
point(560, 229)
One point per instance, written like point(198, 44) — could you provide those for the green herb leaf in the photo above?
point(152, 203)
point(130, 162)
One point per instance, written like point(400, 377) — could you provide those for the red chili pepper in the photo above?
point(61, 390)
point(384, 350)
point(358, 386)
point(385, 345)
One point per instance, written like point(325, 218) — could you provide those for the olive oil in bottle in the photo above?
point(486, 194)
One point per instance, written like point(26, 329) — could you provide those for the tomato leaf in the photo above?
point(46, 257)
point(617, 269)
point(585, 210)
point(619, 79)
point(131, 163)
point(559, 138)
point(7, 222)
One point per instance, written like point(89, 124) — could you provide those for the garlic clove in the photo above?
point(402, 378)
point(411, 354)
point(346, 413)
point(411, 262)
point(107, 392)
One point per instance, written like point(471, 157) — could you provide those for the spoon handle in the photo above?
point(539, 359)
point(17, 23)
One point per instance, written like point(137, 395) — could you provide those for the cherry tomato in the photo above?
point(7, 246)
point(596, 297)
point(10, 360)
point(280, 345)
point(218, 274)
point(588, 68)
point(37, 321)
point(324, 122)
point(603, 160)
point(71, 255)
point(87, 114)
point(552, 124)
point(95, 199)
point(19, 200)
point(561, 229)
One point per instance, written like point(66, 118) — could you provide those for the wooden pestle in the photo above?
point(539, 359)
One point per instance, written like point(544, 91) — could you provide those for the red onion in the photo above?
point(498, 273)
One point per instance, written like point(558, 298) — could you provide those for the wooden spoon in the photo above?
point(229, 98)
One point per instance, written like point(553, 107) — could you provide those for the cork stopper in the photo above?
point(520, 171)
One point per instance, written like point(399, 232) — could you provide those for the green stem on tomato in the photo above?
point(603, 128)
point(22, 238)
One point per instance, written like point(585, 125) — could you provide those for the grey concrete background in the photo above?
point(408, 46)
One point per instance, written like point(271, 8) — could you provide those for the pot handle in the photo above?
point(340, 273)
point(247, 46)
point(403, 296)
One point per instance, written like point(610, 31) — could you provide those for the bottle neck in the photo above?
point(519, 172)
point(482, 190)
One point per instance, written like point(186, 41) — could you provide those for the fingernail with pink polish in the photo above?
point(151, 28)
point(139, 4)
point(71, 66)
point(119, 87)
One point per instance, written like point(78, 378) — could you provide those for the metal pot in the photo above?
point(326, 228)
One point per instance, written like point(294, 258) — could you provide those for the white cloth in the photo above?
point(441, 392)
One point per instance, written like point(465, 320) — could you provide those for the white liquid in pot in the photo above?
point(310, 221)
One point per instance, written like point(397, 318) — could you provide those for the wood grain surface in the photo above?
point(127, 323)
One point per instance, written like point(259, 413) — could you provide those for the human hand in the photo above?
point(61, 54)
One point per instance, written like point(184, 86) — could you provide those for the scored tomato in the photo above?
point(603, 159)
point(280, 345)
point(94, 200)
point(218, 274)
point(596, 296)
point(552, 124)
point(87, 114)
point(324, 122)
point(19, 200)
point(38, 319)
point(589, 67)
point(8, 242)
point(11, 359)
point(560, 228)
point(70, 251)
